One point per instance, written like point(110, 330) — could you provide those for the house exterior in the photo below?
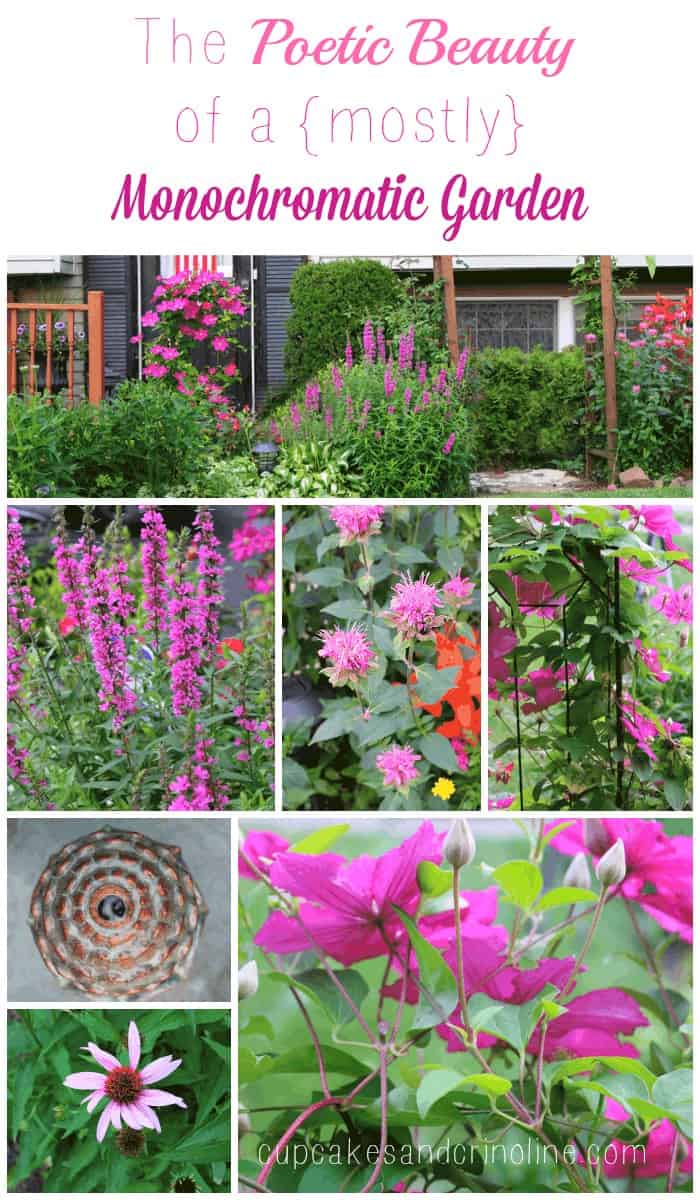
point(128, 282)
point(502, 300)
point(528, 300)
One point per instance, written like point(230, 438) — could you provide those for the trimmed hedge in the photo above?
point(527, 408)
point(330, 304)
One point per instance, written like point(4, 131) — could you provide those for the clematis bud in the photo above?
point(577, 874)
point(595, 836)
point(460, 847)
point(612, 867)
point(247, 980)
point(244, 1124)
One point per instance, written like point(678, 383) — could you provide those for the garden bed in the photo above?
point(140, 670)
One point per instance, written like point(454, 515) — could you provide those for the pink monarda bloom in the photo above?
point(349, 653)
point(357, 522)
point(397, 765)
point(414, 605)
point(130, 1098)
point(457, 590)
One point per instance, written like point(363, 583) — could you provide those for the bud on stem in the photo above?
point(248, 980)
point(460, 847)
point(612, 867)
point(577, 874)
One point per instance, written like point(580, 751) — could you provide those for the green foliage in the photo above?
point(75, 758)
point(528, 408)
point(331, 302)
point(331, 759)
point(465, 1110)
point(584, 653)
point(56, 1135)
point(144, 441)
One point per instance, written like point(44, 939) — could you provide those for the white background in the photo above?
point(81, 110)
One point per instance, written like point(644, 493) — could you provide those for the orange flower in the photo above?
point(465, 697)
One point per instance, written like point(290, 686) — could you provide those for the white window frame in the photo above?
point(563, 311)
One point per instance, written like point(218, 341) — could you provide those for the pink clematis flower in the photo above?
point(591, 1025)
point(261, 849)
point(536, 598)
point(501, 641)
point(130, 1098)
point(654, 861)
point(347, 906)
point(650, 1162)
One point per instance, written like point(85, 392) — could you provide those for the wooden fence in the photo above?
point(45, 348)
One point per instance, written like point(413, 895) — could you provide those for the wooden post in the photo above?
point(12, 351)
point(96, 346)
point(443, 268)
point(610, 374)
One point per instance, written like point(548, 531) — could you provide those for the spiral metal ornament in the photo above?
point(117, 914)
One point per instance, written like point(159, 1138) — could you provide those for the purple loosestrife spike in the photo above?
point(210, 568)
point(154, 563)
point(184, 630)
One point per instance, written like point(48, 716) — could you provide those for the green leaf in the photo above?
point(493, 1085)
point(212, 1143)
point(432, 683)
point(320, 841)
point(328, 995)
point(432, 880)
point(674, 1092)
point(325, 577)
point(564, 895)
point(438, 986)
point(346, 610)
point(335, 726)
point(434, 1085)
point(23, 1084)
point(521, 881)
point(438, 751)
point(512, 1023)
point(676, 794)
point(625, 1066)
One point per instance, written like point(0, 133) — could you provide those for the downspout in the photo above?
point(252, 334)
point(139, 314)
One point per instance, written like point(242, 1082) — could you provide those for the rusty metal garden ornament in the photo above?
point(117, 914)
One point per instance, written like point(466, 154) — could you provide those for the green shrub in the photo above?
point(528, 408)
point(404, 431)
point(146, 440)
point(330, 304)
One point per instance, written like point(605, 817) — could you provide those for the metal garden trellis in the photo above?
point(611, 595)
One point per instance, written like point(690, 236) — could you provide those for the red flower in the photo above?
point(231, 643)
point(66, 625)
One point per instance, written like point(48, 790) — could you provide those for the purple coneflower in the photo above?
point(130, 1098)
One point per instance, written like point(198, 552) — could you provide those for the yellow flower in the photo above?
point(444, 788)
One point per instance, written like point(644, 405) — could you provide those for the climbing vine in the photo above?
point(589, 658)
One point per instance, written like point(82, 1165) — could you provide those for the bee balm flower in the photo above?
point(397, 765)
point(349, 653)
point(413, 608)
point(130, 1098)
